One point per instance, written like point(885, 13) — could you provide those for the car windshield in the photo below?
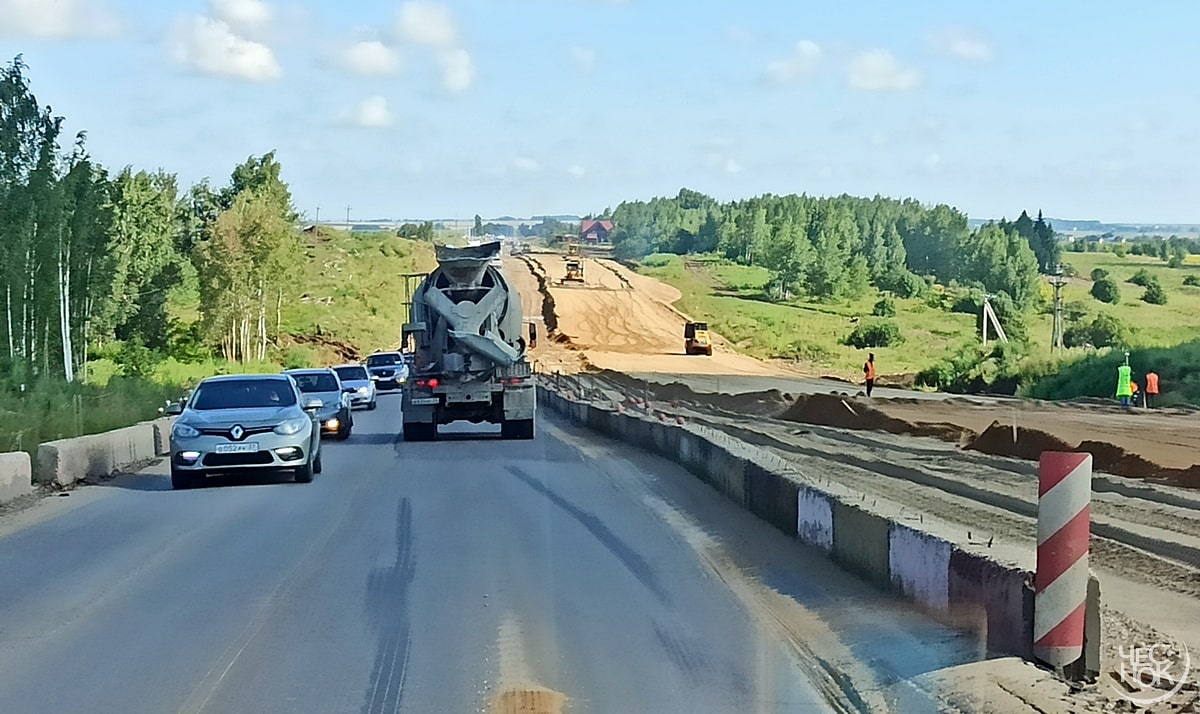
point(243, 394)
point(381, 360)
point(316, 382)
point(350, 373)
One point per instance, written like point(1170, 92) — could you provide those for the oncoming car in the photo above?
point(244, 422)
point(388, 369)
point(357, 382)
point(334, 414)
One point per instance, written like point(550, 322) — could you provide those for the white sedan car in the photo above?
point(358, 384)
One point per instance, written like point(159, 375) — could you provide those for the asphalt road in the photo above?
point(465, 575)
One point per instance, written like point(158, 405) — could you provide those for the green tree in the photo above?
point(1099, 273)
point(1154, 294)
point(877, 333)
point(886, 307)
point(1106, 290)
point(478, 230)
point(1103, 331)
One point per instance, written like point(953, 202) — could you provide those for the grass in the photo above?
point(1151, 325)
point(353, 292)
point(51, 409)
point(732, 299)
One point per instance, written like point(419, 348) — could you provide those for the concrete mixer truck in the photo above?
point(466, 335)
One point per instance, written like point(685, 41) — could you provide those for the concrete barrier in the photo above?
point(814, 519)
point(16, 476)
point(66, 461)
point(162, 435)
point(920, 566)
point(966, 589)
point(860, 543)
point(994, 599)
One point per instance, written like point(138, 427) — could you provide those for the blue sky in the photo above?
point(566, 106)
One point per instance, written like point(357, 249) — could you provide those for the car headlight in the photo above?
point(364, 391)
point(291, 426)
point(184, 431)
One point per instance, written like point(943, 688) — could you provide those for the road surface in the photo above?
point(566, 574)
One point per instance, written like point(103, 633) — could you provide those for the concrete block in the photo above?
point(920, 566)
point(860, 543)
point(16, 475)
point(995, 598)
point(66, 461)
point(727, 474)
point(772, 497)
point(814, 519)
point(162, 435)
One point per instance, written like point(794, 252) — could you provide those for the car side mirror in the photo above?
point(312, 404)
point(173, 409)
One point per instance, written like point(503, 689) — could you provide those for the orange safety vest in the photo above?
point(1133, 387)
point(869, 368)
point(1151, 383)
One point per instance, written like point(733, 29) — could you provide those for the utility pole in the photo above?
point(317, 222)
point(347, 218)
point(1058, 281)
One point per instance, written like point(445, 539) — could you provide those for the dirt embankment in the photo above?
point(998, 438)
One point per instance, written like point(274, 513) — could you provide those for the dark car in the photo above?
point(388, 369)
point(334, 416)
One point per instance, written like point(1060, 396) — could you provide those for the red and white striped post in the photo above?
point(1063, 533)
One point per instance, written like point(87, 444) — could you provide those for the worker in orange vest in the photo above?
point(869, 370)
point(1151, 389)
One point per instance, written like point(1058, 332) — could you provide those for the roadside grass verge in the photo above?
point(733, 300)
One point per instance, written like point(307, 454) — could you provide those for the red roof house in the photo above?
point(595, 231)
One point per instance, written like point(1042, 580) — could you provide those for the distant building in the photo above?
point(592, 231)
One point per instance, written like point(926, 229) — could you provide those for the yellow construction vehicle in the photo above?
point(574, 271)
point(696, 340)
point(572, 250)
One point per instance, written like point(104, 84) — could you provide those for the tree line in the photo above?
point(838, 247)
point(89, 256)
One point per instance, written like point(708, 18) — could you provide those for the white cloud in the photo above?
point(428, 23)
point(723, 162)
point(962, 44)
point(371, 112)
point(458, 69)
point(584, 57)
point(211, 46)
point(370, 57)
point(932, 161)
point(577, 171)
point(56, 19)
point(739, 34)
point(524, 163)
point(732, 166)
point(879, 70)
point(243, 15)
point(800, 66)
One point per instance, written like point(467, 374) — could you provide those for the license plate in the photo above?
point(248, 447)
point(422, 401)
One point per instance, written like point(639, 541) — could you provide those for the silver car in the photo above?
point(357, 382)
point(243, 422)
point(388, 369)
point(334, 415)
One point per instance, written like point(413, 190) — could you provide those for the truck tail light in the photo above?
point(431, 383)
point(512, 380)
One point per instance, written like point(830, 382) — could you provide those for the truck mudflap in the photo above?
point(520, 402)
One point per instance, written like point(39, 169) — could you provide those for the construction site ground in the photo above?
point(962, 467)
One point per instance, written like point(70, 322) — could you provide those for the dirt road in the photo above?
point(623, 321)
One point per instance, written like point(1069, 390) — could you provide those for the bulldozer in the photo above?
point(574, 271)
point(696, 340)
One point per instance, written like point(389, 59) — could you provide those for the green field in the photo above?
point(732, 299)
point(1151, 325)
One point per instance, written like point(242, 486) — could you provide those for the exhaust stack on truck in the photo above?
point(469, 352)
